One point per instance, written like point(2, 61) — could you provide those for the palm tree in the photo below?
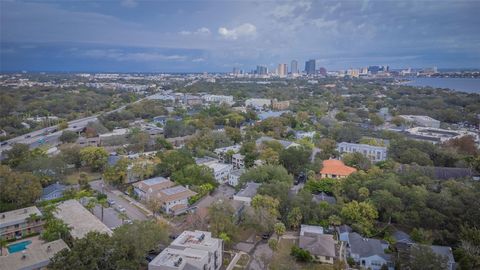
point(33, 218)
point(3, 244)
point(91, 204)
point(103, 203)
point(122, 216)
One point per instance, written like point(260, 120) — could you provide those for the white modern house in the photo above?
point(374, 153)
point(191, 250)
point(258, 103)
point(234, 177)
point(218, 99)
point(221, 171)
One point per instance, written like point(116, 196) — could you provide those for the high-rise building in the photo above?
point(310, 66)
point(322, 71)
point(261, 70)
point(294, 67)
point(282, 70)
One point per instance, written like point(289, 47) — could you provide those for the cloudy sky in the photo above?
point(196, 36)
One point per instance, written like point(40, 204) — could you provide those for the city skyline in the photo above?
point(217, 36)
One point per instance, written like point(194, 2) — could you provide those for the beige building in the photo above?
point(79, 219)
point(20, 223)
point(280, 105)
point(196, 250)
point(148, 189)
point(174, 200)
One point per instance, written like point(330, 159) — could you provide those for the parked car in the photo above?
point(111, 202)
point(127, 221)
point(120, 208)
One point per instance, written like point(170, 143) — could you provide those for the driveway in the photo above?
point(132, 211)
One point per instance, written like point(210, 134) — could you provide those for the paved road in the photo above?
point(37, 138)
point(110, 216)
point(132, 212)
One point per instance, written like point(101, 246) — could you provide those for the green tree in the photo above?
point(357, 160)
point(117, 174)
point(279, 229)
point(162, 144)
point(295, 159)
point(294, 218)
point(360, 215)
point(172, 161)
point(18, 189)
point(301, 255)
point(267, 174)
point(423, 258)
point(273, 244)
point(265, 212)
point(94, 157)
point(68, 136)
point(194, 175)
point(221, 219)
point(234, 134)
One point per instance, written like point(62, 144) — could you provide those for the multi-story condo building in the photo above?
point(20, 223)
point(218, 99)
point(196, 250)
point(238, 161)
point(374, 153)
point(258, 103)
point(174, 200)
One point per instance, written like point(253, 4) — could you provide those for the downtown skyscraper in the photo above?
point(294, 67)
point(310, 66)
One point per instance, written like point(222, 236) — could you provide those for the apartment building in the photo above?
point(20, 223)
point(147, 189)
point(421, 120)
point(174, 200)
point(280, 105)
point(374, 153)
point(221, 171)
point(238, 161)
point(223, 151)
point(192, 250)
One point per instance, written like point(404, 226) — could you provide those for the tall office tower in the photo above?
point(294, 67)
point(310, 66)
point(236, 71)
point(262, 70)
point(282, 70)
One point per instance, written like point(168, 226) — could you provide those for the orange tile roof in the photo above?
point(337, 167)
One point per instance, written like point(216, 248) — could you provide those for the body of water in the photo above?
point(468, 85)
point(17, 247)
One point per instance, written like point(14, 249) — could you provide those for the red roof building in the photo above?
point(333, 168)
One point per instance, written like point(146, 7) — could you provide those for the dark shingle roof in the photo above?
point(52, 188)
point(366, 247)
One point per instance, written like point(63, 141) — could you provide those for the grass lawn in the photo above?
point(243, 261)
point(243, 234)
point(72, 178)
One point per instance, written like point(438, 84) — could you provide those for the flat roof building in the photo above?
point(422, 120)
point(17, 224)
point(79, 219)
point(374, 153)
point(246, 195)
point(196, 250)
point(32, 258)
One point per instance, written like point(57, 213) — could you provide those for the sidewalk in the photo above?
point(142, 207)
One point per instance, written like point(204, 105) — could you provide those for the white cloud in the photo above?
point(129, 3)
point(202, 31)
point(196, 60)
point(244, 30)
point(119, 55)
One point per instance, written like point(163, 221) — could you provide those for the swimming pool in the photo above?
point(17, 247)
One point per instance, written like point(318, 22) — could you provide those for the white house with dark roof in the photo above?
point(368, 252)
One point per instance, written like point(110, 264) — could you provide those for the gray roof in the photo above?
point(401, 236)
point(319, 245)
point(53, 188)
point(323, 197)
point(17, 216)
point(366, 247)
point(112, 160)
point(249, 191)
point(284, 143)
point(344, 229)
point(444, 251)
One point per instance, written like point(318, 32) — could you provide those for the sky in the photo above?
point(215, 36)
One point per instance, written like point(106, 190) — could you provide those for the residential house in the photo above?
point(333, 168)
point(343, 231)
point(174, 200)
point(20, 223)
point(147, 189)
point(192, 100)
point(84, 141)
point(305, 134)
point(280, 105)
point(402, 237)
point(246, 194)
point(53, 191)
point(33, 258)
point(323, 197)
point(374, 153)
point(368, 252)
point(222, 152)
point(221, 171)
point(238, 161)
point(321, 246)
point(79, 219)
point(234, 177)
point(421, 120)
point(191, 250)
point(269, 114)
point(219, 99)
point(258, 103)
